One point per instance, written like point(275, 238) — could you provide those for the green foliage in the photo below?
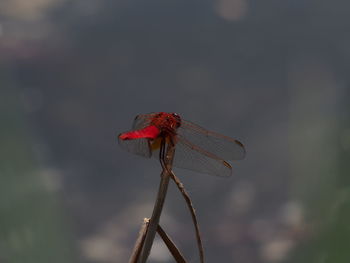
point(32, 226)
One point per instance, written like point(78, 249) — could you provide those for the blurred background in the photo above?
point(273, 74)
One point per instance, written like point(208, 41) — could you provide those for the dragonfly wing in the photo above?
point(142, 120)
point(222, 146)
point(191, 157)
point(138, 146)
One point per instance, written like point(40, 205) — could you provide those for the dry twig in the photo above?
point(167, 240)
point(139, 242)
point(158, 206)
point(193, 214)
point(171, 246)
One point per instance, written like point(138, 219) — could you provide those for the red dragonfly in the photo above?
point(196, 148)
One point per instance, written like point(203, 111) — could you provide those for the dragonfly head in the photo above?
point(177, 119)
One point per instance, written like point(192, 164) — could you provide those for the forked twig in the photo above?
point(163, 187)
point(167, 240)
point(193, 214)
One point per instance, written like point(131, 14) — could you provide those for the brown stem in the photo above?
point(171, 246)
point(139, 242)
point(193, 214)
point(158, 206)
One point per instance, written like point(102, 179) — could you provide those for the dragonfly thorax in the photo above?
point(167, 123)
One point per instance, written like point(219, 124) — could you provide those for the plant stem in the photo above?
point(139, 242)
point(193, 214)
point(171, 246)
point(158, 206)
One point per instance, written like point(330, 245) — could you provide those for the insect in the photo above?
point(196, 148)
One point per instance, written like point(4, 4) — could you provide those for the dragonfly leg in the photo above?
point(163, 157)
point(162, 154)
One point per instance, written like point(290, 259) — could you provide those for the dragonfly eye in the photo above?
point(178, 119)
point(176, 116)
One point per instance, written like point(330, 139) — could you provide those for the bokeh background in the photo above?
point(274, 74)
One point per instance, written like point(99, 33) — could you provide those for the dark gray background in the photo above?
point(274, 74)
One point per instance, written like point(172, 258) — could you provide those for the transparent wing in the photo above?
point(142, 120)
point(219, 145)
point(192, 157)
point(196, 148)
point(138, 146)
